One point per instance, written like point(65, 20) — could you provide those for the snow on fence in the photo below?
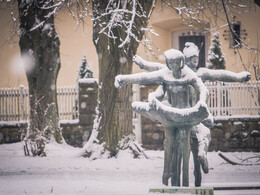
point(14, 103)
point(225, 99)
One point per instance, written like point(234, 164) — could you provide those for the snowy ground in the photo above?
point(65, 172)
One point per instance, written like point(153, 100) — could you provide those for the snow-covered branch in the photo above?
point(129, 30)
point(200, 12)
point(53, 7)
point(128, 15)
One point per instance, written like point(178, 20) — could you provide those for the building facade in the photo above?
point(76, 41)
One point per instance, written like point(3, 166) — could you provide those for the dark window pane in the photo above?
point(197, 40)
point(236, 39)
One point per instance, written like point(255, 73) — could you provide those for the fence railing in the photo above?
point(229, 99)
point(14, 103)
point(225, 99)
point(67, 102)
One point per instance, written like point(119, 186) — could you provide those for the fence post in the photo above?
point(22, 114)
point(219, 99)
point(137, 117)
point(87, 101)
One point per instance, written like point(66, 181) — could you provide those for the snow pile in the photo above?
point(63, 171)
point(93, 148)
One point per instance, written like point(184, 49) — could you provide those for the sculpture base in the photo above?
point(185, 190)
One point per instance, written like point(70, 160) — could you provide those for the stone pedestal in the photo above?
point(77, 132)
point(184, 190)
point(88, 91)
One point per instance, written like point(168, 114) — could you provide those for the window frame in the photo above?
point(234, 40)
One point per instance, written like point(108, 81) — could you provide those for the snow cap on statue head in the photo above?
point(190, 50)
point(174, 55)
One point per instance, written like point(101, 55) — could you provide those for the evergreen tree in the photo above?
point(85, 71)
point(216, 57)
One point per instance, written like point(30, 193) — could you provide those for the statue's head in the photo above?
point(174, 61)
point(191, 53)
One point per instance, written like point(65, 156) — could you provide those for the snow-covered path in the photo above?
point(65, 172)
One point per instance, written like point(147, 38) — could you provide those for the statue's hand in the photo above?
point(246, 76)
point(208, 122)
point(119, 82)
point(152, 102)
point(138, 61)
point(203, 109)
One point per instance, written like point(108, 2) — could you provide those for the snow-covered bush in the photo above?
point(216, 57)
point(84, 70)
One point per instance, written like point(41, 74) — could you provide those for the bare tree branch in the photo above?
point(235, 163)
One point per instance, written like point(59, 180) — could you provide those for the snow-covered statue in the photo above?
point(200, 133)
point(174, 113)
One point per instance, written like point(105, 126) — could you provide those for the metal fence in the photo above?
point(14, 103)
point(225, 99)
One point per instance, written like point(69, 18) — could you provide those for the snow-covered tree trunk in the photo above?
point(39, 45)
point(116, 45)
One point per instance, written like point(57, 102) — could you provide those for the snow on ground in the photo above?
point(64, 171)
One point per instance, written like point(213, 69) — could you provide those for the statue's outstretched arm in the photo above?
point(160, 76)
point(138, 78)
point(149, 66)
point(223, 75)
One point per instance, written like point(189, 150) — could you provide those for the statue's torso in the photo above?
point(178, 96)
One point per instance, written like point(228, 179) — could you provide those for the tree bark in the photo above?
point(40, 51)
point(115, 112)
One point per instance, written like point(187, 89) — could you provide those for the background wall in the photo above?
point(78, 42)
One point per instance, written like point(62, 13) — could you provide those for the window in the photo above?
point(236, 37)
